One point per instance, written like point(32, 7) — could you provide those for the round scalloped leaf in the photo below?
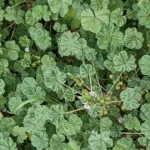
point(59, 6)
point(123, 62)
point(110, 37)
point(133, 39)
point(117, 17)
point(100, 141)
point(145, 128)
point(99, 4)
point(130, 98)
point(144, 64)
point(125, 144)
point(94, 21)
point(2, 86)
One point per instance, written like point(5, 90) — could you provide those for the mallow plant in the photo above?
point(75, 75)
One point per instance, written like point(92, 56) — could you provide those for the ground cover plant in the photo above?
point(74, 75)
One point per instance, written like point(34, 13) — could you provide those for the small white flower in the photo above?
point(26, 49)
point(79, 97)
point(8, 6)
point(93, 94)
point(120, 120)
point(87, 106)
point(94, 132)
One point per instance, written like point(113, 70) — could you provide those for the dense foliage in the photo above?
point(74, 74)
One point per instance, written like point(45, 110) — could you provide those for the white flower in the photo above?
point(87, 106)
point(93, 94)
point(79, 97)
point(120, 120)
point(26, 49)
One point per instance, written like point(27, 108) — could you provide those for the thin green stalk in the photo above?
point(114, 84)
point(97, 78)
point(111, 102)
point(132, 133)
point(27, 102)
point(71, 88)
point(90, 82)
point(73, 111)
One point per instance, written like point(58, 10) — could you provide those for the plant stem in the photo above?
point(27, 102)
point(71, 88)
point(132, 133)
point(70, 112)
point(97, 78)
point(90, 82)
point(114, 84)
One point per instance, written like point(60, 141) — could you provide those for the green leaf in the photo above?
point(131, 123)
point(144, 65)
point(28, 86)
point(147, 97)
point(24, 41)
point(144, 142)
point(105, 124)
point(145, 111)
point(56, 114)
point(54, 79)
point(40, 140)
point(124, 144)
point(72, 145)
point(123, 62)
point(60, 27)
point(133, 39)
point(40, 36)
point(86, 70)
point(26, 61)
point(69, 95)
point(6, 124)
point(95, 111)
point(19, 132)
point(14, 14)
point(2, 86)
point(110, 37)
point(99, 4)
point(11, 50)
point(130, 98)
point(13, 103)
point(59, 6)
point(56, 142)
point(37, 114)
point(94, 21)
point(2, 14)
point(117, 17)
point(100, 141)
point(145, 128)
point(144, 13)
point(72, 126)
point(7, 144)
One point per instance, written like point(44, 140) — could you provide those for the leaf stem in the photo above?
point(97, 78)
point(111, 102)
point(70, 112)
point(132, 133)
point(27, 102)
point(114, 84)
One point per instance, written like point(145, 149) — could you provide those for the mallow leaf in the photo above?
point(2, 86)
point(133, 39)
point(54, 79)
point(59, 6)
point(19, 132)
point(117, 17)
point(110, 37)
point(14, 14)
point(124, 144)
point(11, 50)
point(99, 4)
point(144, 63)
point(100, 141)
point(2, 14)
point(130, 98)
point(56, 114)
point(40, 36)
point(145, 128)
point(123, 62)
point(40, 140)
point(57, 142)
point(94, 21)
point(131, 122)
point(7, 144)
point(144, 13)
